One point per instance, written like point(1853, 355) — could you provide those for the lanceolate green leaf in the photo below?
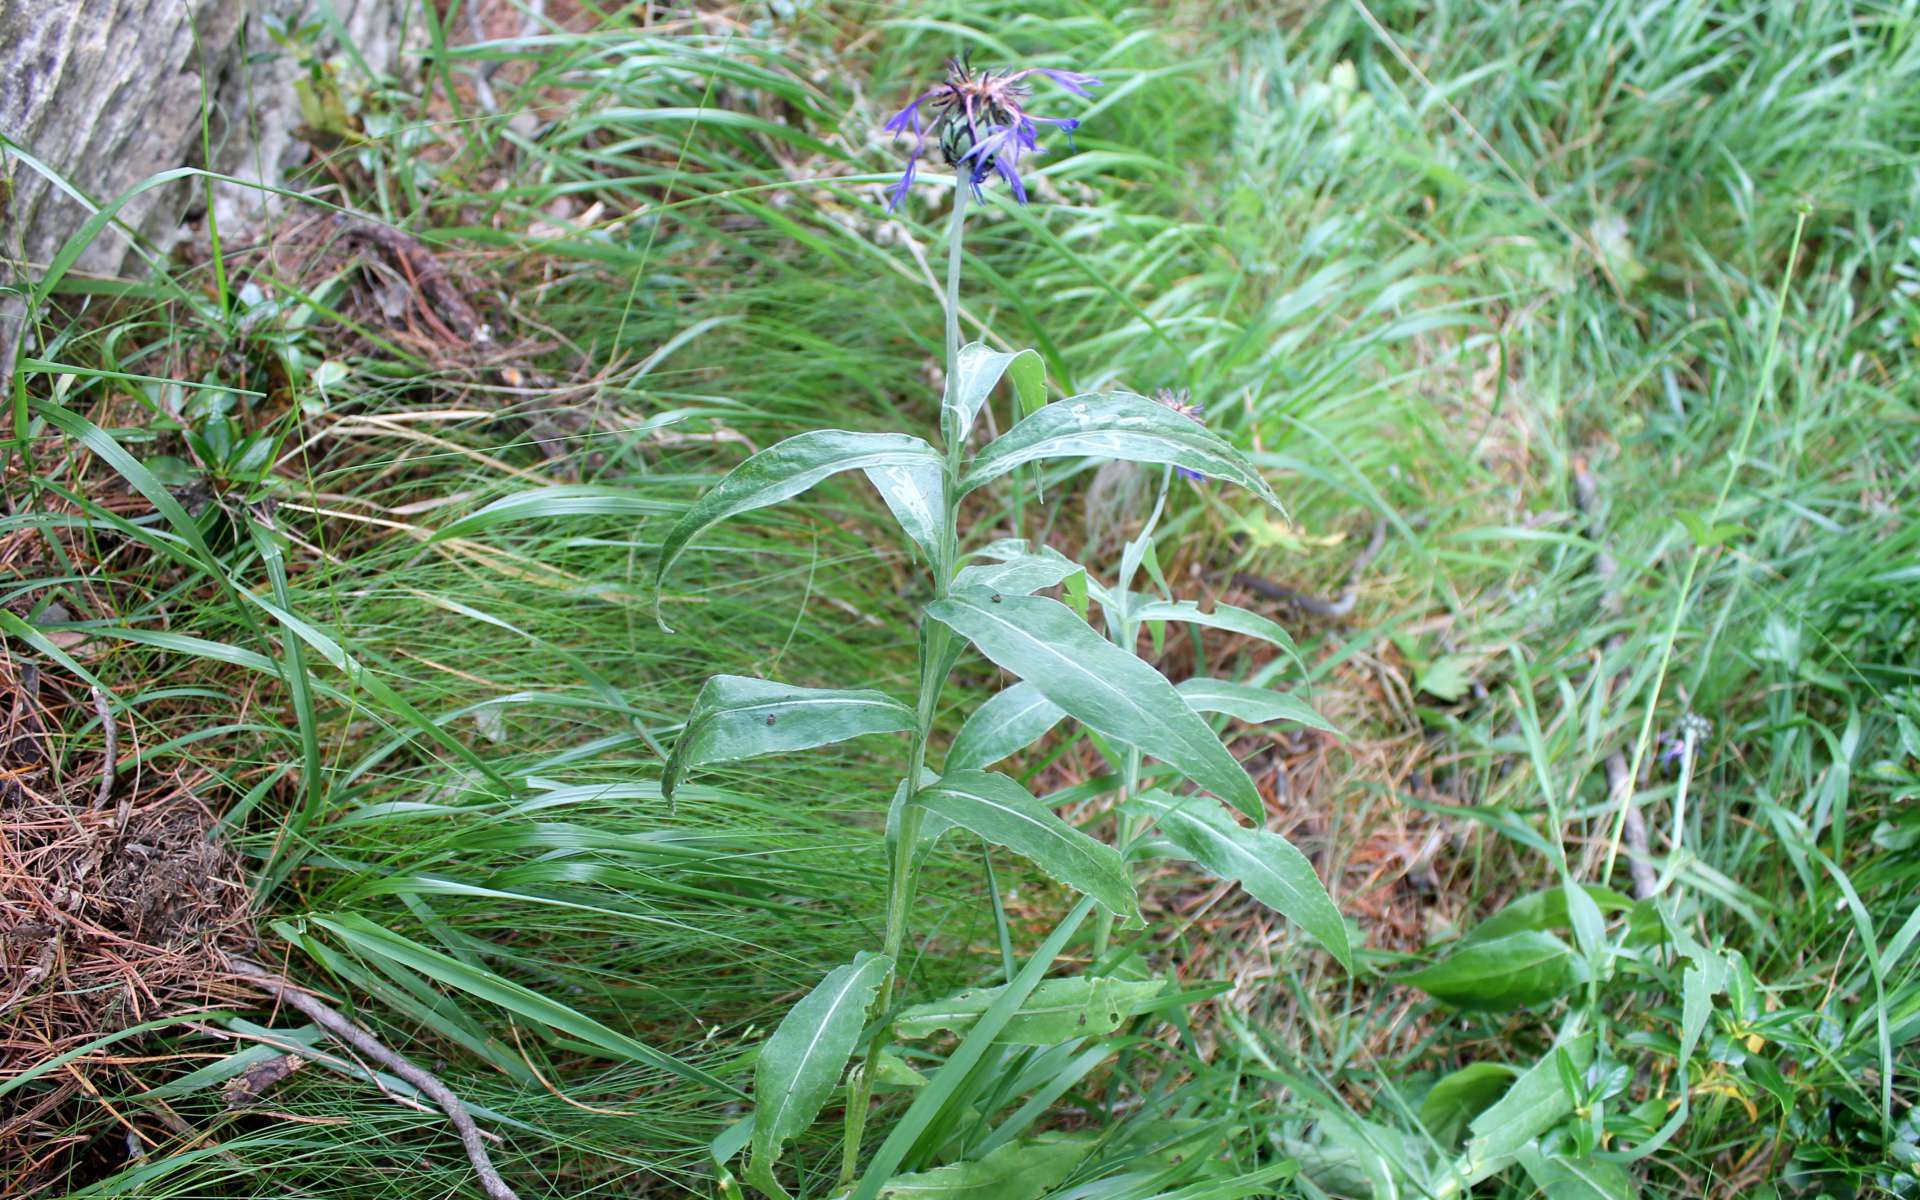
point(1268, 866)
point(1256, 706)
point(1115, 425)
point(916, 494)
point(1560, 1177)
point(1006, 814)
point(979, 368)
point(560, 500)
point(1507, 972)
point(1017, 1171)
point(736, 717)
point(1220, 616)
point(1017, 570)
point(1097, 683)
point(787, 469)
point(1011, 721)
point(1534, 1104)
point(1059, 1010)
point(801, 1063)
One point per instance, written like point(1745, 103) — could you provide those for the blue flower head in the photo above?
point(981, 124)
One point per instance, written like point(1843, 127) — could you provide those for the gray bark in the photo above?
point(107, 93)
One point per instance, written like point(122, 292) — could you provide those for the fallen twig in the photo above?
point(352, 1035)
point(111, 757)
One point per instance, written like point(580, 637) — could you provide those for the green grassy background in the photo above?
point(1429, 263)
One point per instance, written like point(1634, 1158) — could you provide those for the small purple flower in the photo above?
point(981, 123)
point(1182, 403)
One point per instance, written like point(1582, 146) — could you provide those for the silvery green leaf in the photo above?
point(1012, 720)
point(1534, 1104)
point(916, 494)
point(979, 368)
point(559, 500)
point(785, 470)
point(1512, 971)
point(1561, 1177)
point(1059, 1010)
point(801, 1064)
point(1016, 570)
point(1115, 425)
point(735, 717)
point(1016, 1171)
point(1254, 705)
point(1222, 616)
point(1097, 683)
point(1006, 814)
point(1268, 866)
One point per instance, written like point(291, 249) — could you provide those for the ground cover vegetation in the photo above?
point(1574, 667)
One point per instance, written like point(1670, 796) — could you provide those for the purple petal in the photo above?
point(1073, 81)
point(898, 192)
point(910, 115)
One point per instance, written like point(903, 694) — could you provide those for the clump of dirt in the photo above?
point(118, 906)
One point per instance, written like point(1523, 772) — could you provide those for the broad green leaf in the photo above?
point(1098, 684)
point(1256, 706)
point(1017, 571)
point(737, 717)
point(1011, 721)
point(1016, 1171)
point(1222, 616)
point(1460, 1096)
point(1534, 1104)
point(561, 500)
point(1268, 866)
point(1059, 1010)
point(1115, 425)
point(916, 494)
point(1542, 910)
point(1006, 814)
point(801, 1064)
point(1562, 1178)
point(1512, 971)
point(979, 368)
point(785, 470)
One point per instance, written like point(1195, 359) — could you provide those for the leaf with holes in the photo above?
point(1267, 865)
point(801, 1064)
point(1115, 425)
point(1057, 1011)
point(1006, 814)
point(1097, 683)
point(736, 717)
point(783, 471)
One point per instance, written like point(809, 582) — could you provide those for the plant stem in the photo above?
point(935, 640)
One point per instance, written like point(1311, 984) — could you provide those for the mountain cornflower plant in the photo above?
point(981, 123)
point(1010, 1047)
